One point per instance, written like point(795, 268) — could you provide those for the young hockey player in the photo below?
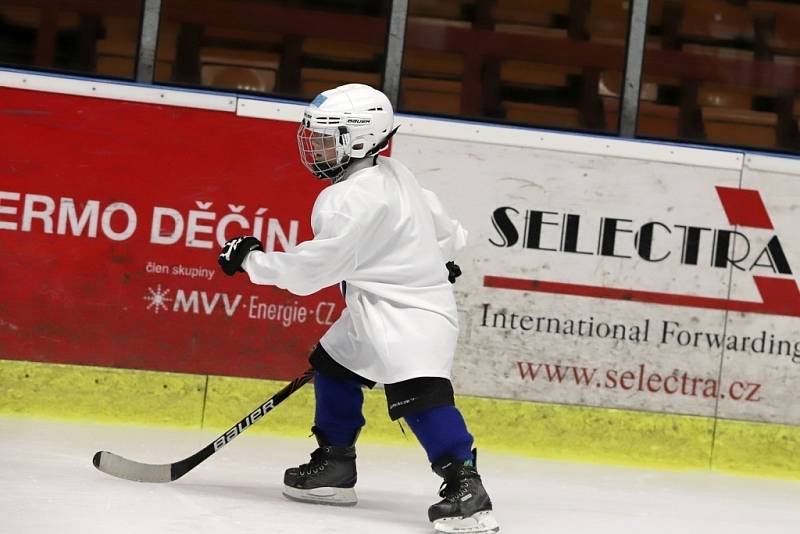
point(390, 245)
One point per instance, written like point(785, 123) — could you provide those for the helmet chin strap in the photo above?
point(380, 146)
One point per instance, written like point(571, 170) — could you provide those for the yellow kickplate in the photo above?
point(561, 432)
point(100, 394)
point(598, 435)
point(759, 449)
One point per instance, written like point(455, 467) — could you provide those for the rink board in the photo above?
point(641, 287)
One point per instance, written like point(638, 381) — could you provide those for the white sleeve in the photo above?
point(323, 261)
point(451, 236)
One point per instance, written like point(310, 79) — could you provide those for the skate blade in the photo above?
point(325, 495)
point(478, 523)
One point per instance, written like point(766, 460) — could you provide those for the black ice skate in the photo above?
point(329, 478)
point(465, 507)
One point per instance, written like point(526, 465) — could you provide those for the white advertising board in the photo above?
point(619, 274)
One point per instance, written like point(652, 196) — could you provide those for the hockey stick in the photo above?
point(118, 466)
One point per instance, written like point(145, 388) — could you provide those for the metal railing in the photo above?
point(398, 17)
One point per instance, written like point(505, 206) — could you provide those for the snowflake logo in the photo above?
point(157, 299)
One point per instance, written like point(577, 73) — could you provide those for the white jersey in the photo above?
point(388, 239)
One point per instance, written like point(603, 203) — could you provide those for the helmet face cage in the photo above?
point(323, 151)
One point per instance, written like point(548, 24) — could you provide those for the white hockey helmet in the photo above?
point(349, 122)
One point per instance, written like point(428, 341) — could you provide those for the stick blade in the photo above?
point(117, 466)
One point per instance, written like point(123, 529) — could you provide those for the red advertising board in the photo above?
point(111, 217)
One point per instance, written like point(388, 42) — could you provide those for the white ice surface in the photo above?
point(48, 485)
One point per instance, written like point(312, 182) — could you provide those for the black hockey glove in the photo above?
point(453, 271)
point(235, 251)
